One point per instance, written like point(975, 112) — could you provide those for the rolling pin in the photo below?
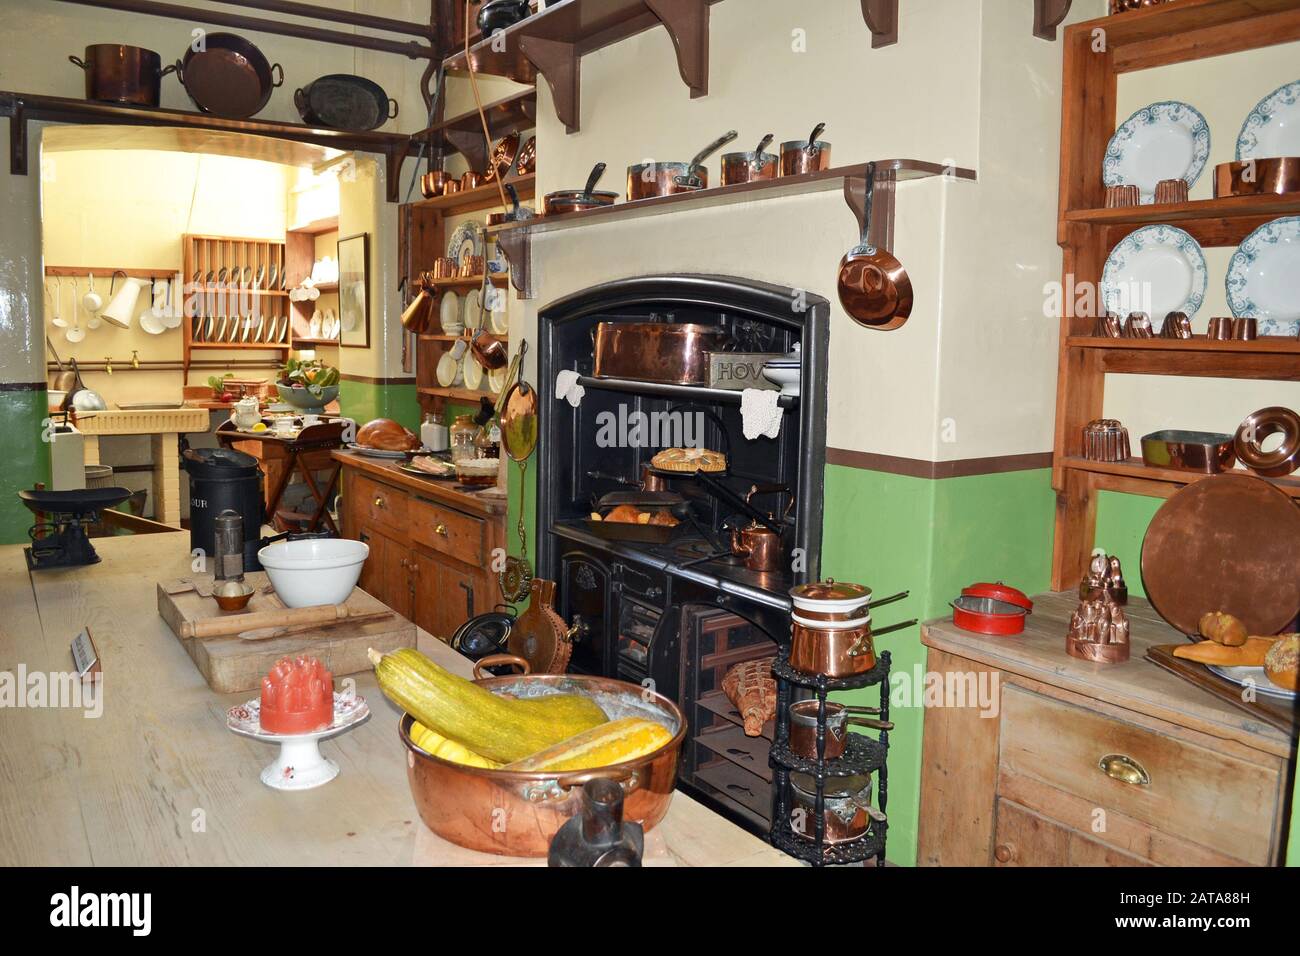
point(266, 633)
point(235, 623)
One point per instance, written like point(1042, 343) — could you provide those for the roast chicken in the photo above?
point(386, 435)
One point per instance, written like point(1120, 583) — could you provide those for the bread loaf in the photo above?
point(1249, 654)
point(1282, 662)
point(1223, 629)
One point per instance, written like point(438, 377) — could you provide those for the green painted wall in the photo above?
point(364, 401)
point(931, 538)
point(26, 458)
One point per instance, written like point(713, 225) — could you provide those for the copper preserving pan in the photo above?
point(516, 814)
point(648, 180)
point(676, 354)
point(1254, 177)
point(117, 73)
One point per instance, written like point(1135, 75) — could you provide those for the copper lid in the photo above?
point(830, 590)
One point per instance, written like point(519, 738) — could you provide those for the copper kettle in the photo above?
point(758, 543)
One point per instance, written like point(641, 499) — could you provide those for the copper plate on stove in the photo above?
point(1225, 543)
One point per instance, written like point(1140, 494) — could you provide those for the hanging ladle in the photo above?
point(873, 285)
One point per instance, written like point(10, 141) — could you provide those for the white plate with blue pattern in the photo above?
point(1157, 270)
point(1264, 277)
point(1272, 128)
point(1166, 140)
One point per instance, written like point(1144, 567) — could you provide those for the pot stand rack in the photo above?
point(515, 239)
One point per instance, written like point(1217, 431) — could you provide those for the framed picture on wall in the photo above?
point(354, 284)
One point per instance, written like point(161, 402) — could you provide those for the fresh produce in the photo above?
point(498, 728)
point(1223, 628)
point(609, 743)
point(1249, 654)
point(434, 743)
point(313, 375)
point(218, 385)
point(1282, 662)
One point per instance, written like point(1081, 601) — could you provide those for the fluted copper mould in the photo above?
point(1245, 328)
point(432, 183)
point(1118, 197)
point(445, 267)
point(1104, 577)
point(471, 179)
point(450, 186)
point(471, 266)
point(1109, 326)
point(1220, 329)
point(1105, 439)
point(516, 814)
point(1123, 6)
point(1249, 442)
point(1205, 452)
point(1254, 177)
point(1099, 632)
point(1177, 325)
point(803, 727)
point(1138, 326)
point(1171, 191)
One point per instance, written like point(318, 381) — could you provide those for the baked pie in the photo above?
point(689, 460)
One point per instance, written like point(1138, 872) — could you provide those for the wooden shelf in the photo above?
point(304, 340)
point(464, 133)
point(21, 107)
point(262, 346)
point(1135, 477)
point(514, 238)
point(458, 394)
point(475, 200)
point(318, 228)
point(553, 41)
point(1146, 38)
point(326, 287)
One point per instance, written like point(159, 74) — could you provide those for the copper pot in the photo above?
point(471, 180)
point(467, 805)
point(750, 167)
point(648, 180)
point(1276, 176)
point(835, 652)
point(803, 727)
point(760, 546)
point(809, 155)
point(672, 353)
point(846, 810)
point(489, 351)
point(432, 183)
point(117, 73)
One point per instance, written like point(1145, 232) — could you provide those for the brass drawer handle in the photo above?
point(440, 529)
point(1125, 769)
point(379, 502)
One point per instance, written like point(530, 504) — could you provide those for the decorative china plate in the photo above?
point(1257, 676)
point(1167, 140)
point(299, 765)
point(465, 241)
point(1264, 277)
point(1272, 128)
point(1157, 270)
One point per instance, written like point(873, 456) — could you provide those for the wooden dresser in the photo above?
point(1086, 764)
point(431, 547)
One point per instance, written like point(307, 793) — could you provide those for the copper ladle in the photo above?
point(873, 285)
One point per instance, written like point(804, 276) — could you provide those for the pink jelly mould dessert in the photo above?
point(297, 697)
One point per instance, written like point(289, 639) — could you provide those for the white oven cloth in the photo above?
point(759, 413)
point(566, 386)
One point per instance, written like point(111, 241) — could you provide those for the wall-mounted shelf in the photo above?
point(456, 394)
point(21, 107)
point(514, 239)
point(1142, 39)
point(553, 41)
point(464, 133)
point(482, 197)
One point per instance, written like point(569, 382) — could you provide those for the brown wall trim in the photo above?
point(916, 468)
point(367, 380)
point(24, 387)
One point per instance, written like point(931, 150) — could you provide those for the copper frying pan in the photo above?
point(874, 288)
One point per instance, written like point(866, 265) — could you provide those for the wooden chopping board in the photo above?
point(230, 663)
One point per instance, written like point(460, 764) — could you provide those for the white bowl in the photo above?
point(314, 571)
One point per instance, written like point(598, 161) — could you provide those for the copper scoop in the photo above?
point(874, 288)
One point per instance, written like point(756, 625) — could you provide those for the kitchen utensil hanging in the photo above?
point(873, 285)
point(517, 412)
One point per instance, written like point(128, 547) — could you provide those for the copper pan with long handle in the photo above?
point(648, 180)
point(873, 285)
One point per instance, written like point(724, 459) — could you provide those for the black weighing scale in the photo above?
point(60, 540)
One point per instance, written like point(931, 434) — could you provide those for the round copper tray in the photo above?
point(1225, 543)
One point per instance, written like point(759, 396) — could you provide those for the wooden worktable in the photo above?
point(159, 780)
point(487, 505)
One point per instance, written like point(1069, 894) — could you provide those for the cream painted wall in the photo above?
point(362, 208)
point(128, 209)
point(1224, 89)
point(59, 29)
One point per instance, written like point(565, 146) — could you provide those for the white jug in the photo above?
point(122, 309)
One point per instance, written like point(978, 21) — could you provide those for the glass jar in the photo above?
point(488, 442)
point(464, 434)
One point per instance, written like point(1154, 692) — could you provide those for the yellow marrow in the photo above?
point(609, 743)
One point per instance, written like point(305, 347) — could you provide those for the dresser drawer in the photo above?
point(1165, 781)
point(452, 532)
point(378, 504)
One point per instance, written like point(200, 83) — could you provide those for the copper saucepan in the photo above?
point(577, 200)
point(647, 180)
point(750, 167)
point(873, 285)
point(803, 727)
point(117, 73)
point(800, 156)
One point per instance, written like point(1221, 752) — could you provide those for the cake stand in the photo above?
point(300, 764)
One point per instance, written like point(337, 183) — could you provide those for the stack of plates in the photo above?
point(449, 313)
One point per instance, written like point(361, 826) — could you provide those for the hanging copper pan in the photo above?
point(873, 285)
point(229, 76)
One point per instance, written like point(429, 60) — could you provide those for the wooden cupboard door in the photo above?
point(386, 573)
point(1024, 838)
point(426, 596)
point(462, 594)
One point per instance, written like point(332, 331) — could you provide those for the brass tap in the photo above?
point(135, 358)
point(108, 365)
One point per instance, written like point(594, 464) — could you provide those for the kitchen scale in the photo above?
point(59, 538)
